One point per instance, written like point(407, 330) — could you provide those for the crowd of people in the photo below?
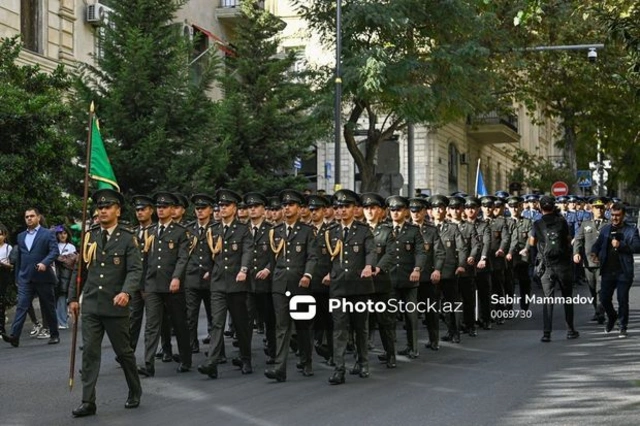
point(253, 260)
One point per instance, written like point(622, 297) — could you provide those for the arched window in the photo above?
point(454, 160)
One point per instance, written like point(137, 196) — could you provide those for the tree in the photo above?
point(536, 172)
point(157, 120)
point(265, 116)
point(36, 151)
point(408, 61)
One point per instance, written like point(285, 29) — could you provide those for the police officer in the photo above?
point(518, 255)
point(112, 270)
point(293, 245)
point(374, 211)
point(352, 249)
point(166, 260)
point(199, 267)
point(144, 214)
point(232, 247)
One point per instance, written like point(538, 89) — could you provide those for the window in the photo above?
point(499, 186)
point(31, 25)
point(453, 167)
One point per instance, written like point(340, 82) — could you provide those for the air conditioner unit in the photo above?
point(464, 160)
point(97, 14)
point(187, 31)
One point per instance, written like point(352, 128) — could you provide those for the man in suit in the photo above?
point(36, 251)
point(111, 274)
point(232, 246)
point(166, 259)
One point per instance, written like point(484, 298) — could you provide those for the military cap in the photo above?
point(242, 205)
point(226, 196)
point(216, 207)
point(456, 201)
point(345, 197)
point(317, 201)
point(291, 196)
point(459, 194)
point(573, 199)
point(202, 200)
point(397, 202)
point(547, 201)
point(488, 201)
point(598, 201)
point(142, 201)
point(531, 198)
point(107, 197)
point(418, 203)
point(514, 200)
point(182, 200)
point(499, 202)
point(255, 198)
point(273, 203)
point(562, 199)
point(164, 199)
point(502, 195)
point(372, 199)
point(438, 200)
point(615, 200)
point(472, 202)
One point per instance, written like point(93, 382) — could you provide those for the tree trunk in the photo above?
point(570, 152)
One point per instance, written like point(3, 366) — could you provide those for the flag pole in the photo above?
point(83, 227)
point(477, 174)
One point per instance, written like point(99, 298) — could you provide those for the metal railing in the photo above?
point(494, 117)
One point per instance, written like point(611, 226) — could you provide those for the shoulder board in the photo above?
point(306, 225)
point(429, 225)
point(332, 225)
point(385, 225)
point(191, 224)
point(94, 226)
point(179, 225)
point(126, 229)
point(411, 225)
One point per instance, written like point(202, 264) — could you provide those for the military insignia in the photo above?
point(103, 199)
point(234, 247)
point(407, 247)
point(588, 229)
point(448, 244)
point(523, 235)
point(427, 246)
point(116, 260)
point(324, 250)
point(379, 250)
point(298, 249)
point(497, 234)
point(356, 249)
point(171, 245)
point(264, 247)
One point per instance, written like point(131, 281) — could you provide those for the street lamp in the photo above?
point(338, 99)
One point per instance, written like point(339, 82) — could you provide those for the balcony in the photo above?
point(493, 128)
point(229, 10)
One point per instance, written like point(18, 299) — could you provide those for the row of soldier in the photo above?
point(355, 248)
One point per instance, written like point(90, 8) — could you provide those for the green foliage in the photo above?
point(36, 150)
point(538, 173)
point(265, 115)
point(157, 121)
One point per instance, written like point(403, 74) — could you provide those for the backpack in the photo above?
point(554, 248)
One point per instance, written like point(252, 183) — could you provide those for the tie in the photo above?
point(105, 237)
point(289, 229)
point(346, 232)
point(200, 231)
point(225, 229)
point(396, 231)
point(439, 227)
point(255, 232)
point(161, 231)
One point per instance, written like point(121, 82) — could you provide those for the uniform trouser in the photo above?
point(467, 288)
point(595, 284)
point(322, 323)
point(264, 307)
point(451, 296)
point(509, 282)
point(498, 288)
point(236, 304)
point(165, 333)
point(410, 296)
point(175, 305)
point(359, 322)
point(483, 282)
point(283, 334)
point(136, 312)
point(621, 284)
point(196, 296)
point(430, 294)
point(386, 323)
point(117, 328)
point(557, 277)
point(579, 277)
point(521, 273)
point(252, 309)
point(26, 293)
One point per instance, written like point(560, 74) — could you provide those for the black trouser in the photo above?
point(498, 288)
point(483, 283)
point(323, 324)
point(431, 295)
point(236, 304)
point(195, 297)
point(283, 334)
point(410, 296)
point(156, 305)
point(467, 288)
point(451, 296)
point(5, 280)
point(264, 307)
point(557, 277)
point(165, 333)
point(359, 322)
point(386, 323)
point(521, 272)
point(136, 312)
point(117, 328)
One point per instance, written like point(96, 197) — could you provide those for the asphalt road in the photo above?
point(505, 376)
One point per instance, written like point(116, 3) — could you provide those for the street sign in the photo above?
point(327, 170)
point(596, 189)
point(584, 179)
point(596, 176)
point(593, 165)
point(606, 164)
point(297, 163)
point(559, 188)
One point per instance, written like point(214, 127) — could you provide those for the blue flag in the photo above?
point(481, 189)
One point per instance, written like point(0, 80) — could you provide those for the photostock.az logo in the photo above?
point(302, 307)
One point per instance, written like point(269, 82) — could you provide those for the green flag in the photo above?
point(101, 169)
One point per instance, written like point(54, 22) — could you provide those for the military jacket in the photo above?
point(167, 257)
point(455, 249)
point(434, 251)
point(473, 244)
point(406, 252)
point(586, 238)
point(107, 271)
point(382, 237)
point(519, 230)
point(323, 265)
point(142, 235)
point(349, 257)
point(232, 251)
point(295, 255)
point(200, 261)
point(483, 232)
point(262, 257)
point(500, 240)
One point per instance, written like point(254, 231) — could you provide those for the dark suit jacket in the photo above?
point(297, 257)
point(323, 266)
point(629, 244)
point(115, 268)
point(262, 257)
point(404, 252)
point(358, 251)
point(200, 261)
point(167, 258)
point(43, 250)
point(235, 253)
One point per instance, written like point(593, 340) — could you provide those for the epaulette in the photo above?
point(411, 225)
point(126, 229)
point(191, 224)
point(332, 225)
point(306, 225)
point(93, 227)
point(180, 225)
point(429, 225)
